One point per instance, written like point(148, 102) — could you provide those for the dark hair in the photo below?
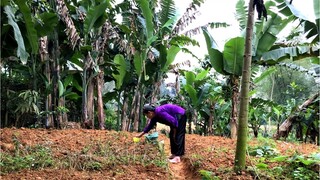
point(148, 107)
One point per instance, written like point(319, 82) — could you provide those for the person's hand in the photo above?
point(139, 135)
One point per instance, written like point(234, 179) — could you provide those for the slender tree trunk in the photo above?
point(194, 118)
point(55, 54)
point(133, 106)
point(136, 119)
point(240, 157)
point(271, 98)
point(44, 56)
point(90, 103)
point(211, 119)
point(100, 109)
point(156, 92)
point(124, 121)
point(234, 109)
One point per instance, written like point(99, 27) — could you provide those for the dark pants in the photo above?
point(178, 145)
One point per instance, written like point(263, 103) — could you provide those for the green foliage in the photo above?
point(208, 175)
point(122, 67)
point(304, 167)
point(93, 15)
point(30, 26)
point(148, 24)
point(110, 119)
point(102, 155)
point(196, 160)
point(36, 157)
point(21, 50)
point(263, 151)
point(28, 102)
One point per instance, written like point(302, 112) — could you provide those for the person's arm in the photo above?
point(141, 134)
point(150, 125)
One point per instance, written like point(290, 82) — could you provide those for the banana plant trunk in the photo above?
point(234, 108)
point(100, 83)
point(211, 119)
point(55, 54)
point(90, 103)
point(240, 156)
point(124, 117)
point(137, 112)
point(44, 56)
point(156, 92)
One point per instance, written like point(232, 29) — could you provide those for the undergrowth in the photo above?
point(265, 162)
point(268, 163)
point(95, 156)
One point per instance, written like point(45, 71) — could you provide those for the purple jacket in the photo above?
point(165, 114)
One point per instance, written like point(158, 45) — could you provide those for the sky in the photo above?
point(218, 11)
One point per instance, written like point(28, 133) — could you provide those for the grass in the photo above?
point(95, 156)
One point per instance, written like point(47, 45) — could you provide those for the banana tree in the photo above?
point(157, 48)
point(197, 93)
point(229, 63)
point(269, 51)
point(95, 41)
point(37, 22)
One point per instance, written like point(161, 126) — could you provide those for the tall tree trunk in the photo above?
point(136, 119)
point(240, 157)
point(133, 105)
point(156, 92)
point(211, 119)
point(44, 56)
point(55, 54)
point(194, 119)
point(271, 99)
point(124, 117)
point(90, 103)
point(234, 109)
point(100, 109)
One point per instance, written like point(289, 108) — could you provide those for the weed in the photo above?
point(196, 160)
point(263, 151)
point(36, 157)
point(208, 175)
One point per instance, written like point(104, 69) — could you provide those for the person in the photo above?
point(173, 116)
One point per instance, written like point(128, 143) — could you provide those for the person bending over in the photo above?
point(173, 116)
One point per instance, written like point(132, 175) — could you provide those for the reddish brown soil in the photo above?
point(212, 153)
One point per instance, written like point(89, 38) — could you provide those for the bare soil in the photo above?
point(211, 153)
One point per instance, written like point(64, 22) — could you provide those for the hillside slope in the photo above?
point(99, 154)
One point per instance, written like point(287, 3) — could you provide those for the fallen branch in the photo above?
point(286, 126)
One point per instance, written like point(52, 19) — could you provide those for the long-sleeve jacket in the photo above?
point(167, 114)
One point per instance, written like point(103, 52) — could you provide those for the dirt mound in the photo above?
point(83, 151)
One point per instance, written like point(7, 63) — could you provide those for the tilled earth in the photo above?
point(211, 153)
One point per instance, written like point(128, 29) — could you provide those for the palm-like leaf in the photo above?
point(267, 31)
point(93, 14)
point(187, 18)
point(148, 19)
point(168, 11)
point(31, 31)
point(241, 14)
point(216, 57)
point(233, 55)
point(21, 51)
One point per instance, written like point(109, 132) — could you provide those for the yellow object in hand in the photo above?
point(136, 139)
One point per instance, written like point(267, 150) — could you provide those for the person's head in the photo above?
point(148, 110)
